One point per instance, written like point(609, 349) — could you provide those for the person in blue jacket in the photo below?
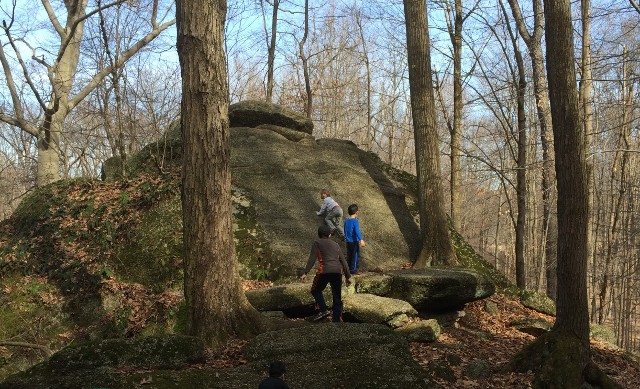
point(354, 238)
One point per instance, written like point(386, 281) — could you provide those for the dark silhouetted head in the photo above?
point(277, 369)
point(324, 231)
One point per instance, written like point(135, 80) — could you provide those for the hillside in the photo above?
point(89, 260)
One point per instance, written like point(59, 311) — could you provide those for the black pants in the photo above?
point(320, 282)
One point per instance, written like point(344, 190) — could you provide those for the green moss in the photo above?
point(256, 258)
point(152, 253)
point(469, 258)
point(30, 311)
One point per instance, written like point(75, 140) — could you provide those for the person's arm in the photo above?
point(323, 208)
point(358, 234)
point(310, 261)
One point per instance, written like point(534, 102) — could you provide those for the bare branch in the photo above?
point(635, 5)
point(40, 347)
point(126, 55)
point(77, 22)
point(25, 72)
point(53, 18)
point(17, 105)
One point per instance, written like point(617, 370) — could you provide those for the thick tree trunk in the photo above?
point(564, 360)
point(216, 305)
point(434, 227)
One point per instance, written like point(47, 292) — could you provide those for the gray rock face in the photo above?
point(252, 113)
point(282, 180)
point(439, 289)
point(369, 308)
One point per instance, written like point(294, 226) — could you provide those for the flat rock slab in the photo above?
point(439, 288)
point(423, 331)
point(252, 113)
point(369, 308)
point(342, 355)
point(286, 297)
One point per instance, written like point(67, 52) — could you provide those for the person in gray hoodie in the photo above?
point(331, 266)
point(332, 213)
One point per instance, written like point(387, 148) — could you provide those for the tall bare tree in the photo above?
point(305, 64)
point(568, 341)
point(533, 41)
point(519, 80)
point(434, 226)
point(60, 93)
point(216, 305)
point(271, 45)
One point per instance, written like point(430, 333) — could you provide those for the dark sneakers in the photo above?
point(320, 315)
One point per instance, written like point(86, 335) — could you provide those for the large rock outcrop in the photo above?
point(252, 113)
point(317, 357)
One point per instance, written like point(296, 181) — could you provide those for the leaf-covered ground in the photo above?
point(478, 335)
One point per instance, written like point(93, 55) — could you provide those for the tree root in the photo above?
point(559, 360)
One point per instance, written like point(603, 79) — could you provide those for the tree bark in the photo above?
point(272, 50)
point(456, 130)
point(305, 65)
point(569, 339)
point(549, 218)
point(434, 227)
point(216, 305)
point(521, 173)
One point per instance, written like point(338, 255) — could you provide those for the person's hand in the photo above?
point(347, 281)
point(362, 243)
point(303, 277)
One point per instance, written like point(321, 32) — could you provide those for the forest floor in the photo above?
point(461, 344)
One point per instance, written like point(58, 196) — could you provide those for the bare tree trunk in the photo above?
point(549, 218)
point(305, 65)
point(587, 112)
point(561, 358)
point(456, 130)
point(370, 133)
point(437, 248)
point(216, 305)
point(521, 173)
point(272, 50)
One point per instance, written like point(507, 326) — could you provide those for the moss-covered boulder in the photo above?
point(439, 288)
point(369, 308)
point(341, 355)
point(603, 334)
point(531, 325)
point(423, 331)
point(94, 364)
point(378, 284)
point(252, 113)
point(287, 298)
point(538, 302)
